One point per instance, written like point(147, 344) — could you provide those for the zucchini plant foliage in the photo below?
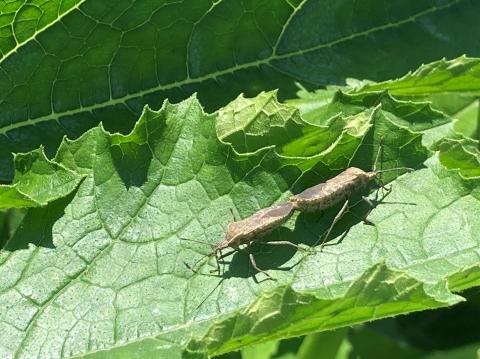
point(67, 65)
point(97, 266)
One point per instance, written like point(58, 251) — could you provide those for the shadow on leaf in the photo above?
point(131, 161)
point(36, 227)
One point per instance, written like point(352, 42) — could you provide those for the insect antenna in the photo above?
point(192, 267)
point(408, 169)
point(198, 241)
point(211, 292)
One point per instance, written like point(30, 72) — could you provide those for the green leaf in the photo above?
point(460, 153)
point(417, 116)
point(468, 120)
point(367, 343)
point(308, 101)
point(458, 75)
point(464, 111)
point(101, 272)
point(251, 125)
point(67, 65)
point(450, 86)
point(260, 351)
point(37, 181)
point(327, 343)
point(464, 352)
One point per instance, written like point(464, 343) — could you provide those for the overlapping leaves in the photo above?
point(449, 88)
point(100, 268)
point(67, 65)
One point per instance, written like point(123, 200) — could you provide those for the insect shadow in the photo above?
point(37, 226)
point(320, 224)
point(308, 232)
point(268, 256)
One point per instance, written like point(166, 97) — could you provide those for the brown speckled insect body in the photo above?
point(333, 191)
point(255, 226)
point(250, 229)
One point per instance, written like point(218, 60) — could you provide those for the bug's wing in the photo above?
point(312, 192)
point(274, 215)
point(258, 224)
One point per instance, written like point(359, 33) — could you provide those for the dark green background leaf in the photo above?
point(65, 66)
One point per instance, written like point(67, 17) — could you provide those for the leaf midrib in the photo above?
point(39, 31)
point(267, 61)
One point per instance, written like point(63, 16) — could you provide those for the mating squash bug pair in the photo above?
point(317, 198)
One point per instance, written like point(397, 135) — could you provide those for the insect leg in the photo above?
point(218, 254)
point(218, 258)
point(192, 267)
point(283, 243)
point(339, 215)
point(287, 243)
point(233, 215)
point(254, 265)
point(345, 208)
point(373, 203)
point(227, 254)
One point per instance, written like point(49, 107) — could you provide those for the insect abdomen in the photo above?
point(258, 224)
point(330, 197)
point(328, 194)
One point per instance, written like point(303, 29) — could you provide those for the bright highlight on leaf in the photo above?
point(101, 265)
point(130, 131)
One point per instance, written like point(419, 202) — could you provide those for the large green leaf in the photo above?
point(37, 181)
point(9, 222)
point(100, 271)
point(451, 86)
point(468, 120)
point(65, 66)
point(446, 87)
point(457, 75)
point(462, 154)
